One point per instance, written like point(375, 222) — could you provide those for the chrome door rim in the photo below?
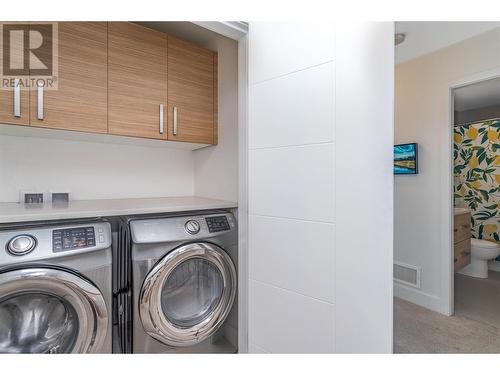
point(153, 319)
point(85, 298)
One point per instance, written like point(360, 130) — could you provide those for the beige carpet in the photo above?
point(478, 299)
point(418, 330)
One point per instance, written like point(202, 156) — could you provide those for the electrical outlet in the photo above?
point(60, 198)
point(33, 198)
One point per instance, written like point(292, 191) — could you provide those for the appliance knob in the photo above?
point(192, 226)
point(21, 244)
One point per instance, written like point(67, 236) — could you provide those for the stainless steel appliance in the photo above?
point(184, 284)
point(55, 288)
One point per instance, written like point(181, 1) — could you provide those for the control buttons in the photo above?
point(73, 238)
point(21, 245)
point(217, 223)
point(192, 226)
point(90, 237)
point(101, 238)
point(57, 240)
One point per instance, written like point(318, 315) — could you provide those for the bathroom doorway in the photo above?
point(476, 201)
point(432, 91)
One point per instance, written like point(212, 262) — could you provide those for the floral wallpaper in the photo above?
point(477, 175)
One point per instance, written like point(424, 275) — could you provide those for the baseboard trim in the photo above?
point(417, 297)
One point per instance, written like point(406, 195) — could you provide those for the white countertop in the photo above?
point(16, 212)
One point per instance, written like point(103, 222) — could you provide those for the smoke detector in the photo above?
point(399, 38)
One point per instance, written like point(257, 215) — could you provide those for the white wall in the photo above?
point(423, 202)
point(319, 279)
point(216, 168)
point(92, 170)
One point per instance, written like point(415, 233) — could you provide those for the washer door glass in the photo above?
point(37, 323)
point(188, 294)
point(191, 292)
point(50, 310)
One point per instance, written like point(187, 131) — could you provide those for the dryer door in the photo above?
point(188, 294)
point(50, 310)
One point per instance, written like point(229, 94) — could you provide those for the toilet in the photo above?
point(481, 252)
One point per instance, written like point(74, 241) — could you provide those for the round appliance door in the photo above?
point(50, 310)
point(187, 296)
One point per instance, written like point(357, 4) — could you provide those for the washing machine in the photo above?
point(55, 288)
point(184, 283)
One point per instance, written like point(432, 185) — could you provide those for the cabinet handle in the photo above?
point(175, 120)
point(465, 253)
point(17, 98)
point(40, 101)
point(456, 260)
point(161, 118)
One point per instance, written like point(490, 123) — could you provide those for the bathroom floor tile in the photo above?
point(478, 299)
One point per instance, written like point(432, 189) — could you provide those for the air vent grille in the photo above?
point(407, 274)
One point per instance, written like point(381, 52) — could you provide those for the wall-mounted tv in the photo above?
point(406, 158)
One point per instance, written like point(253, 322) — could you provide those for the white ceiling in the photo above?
point(478, 95)
point(425, 37)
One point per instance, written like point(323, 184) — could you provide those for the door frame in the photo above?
point(447, 188)
point(243, 293)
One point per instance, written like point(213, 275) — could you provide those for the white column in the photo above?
point(364, 189)
point(300, 265)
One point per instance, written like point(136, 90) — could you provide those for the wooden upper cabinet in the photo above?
point(80, 100)
point(124, 79)
point(137, 80)
point(192, 91)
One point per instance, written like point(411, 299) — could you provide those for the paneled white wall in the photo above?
point(291, 187)
point(298, 295)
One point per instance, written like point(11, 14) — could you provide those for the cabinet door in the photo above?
point(80, 100)
point(15, 104)
point(191, 104)
point(137, 80)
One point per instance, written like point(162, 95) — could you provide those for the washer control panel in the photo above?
point(73, 238)
point(217, 223)
point(50, 241)
point(180, 228)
